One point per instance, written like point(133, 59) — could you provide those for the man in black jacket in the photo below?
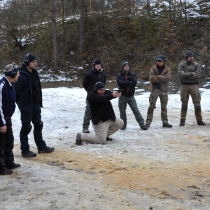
point(91, 77)
point(127, 81)
point(103, 117)
point(29, 101)
point(7, 108)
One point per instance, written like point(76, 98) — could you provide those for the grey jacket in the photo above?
point(189, 72)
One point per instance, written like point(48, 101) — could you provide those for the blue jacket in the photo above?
point(23, 89)
point(7, 100)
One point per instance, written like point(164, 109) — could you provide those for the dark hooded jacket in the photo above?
point(127, 82)
point(100, 105)
point(24, 90)
point(7, 102)
point(92, 77)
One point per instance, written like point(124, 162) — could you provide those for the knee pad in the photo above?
point(38, 126)
point(184, 106)
point(26, 129)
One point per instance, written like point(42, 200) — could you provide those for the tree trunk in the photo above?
point(54, 34)
point(82, 22)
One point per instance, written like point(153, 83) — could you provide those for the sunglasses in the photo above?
point(159, 61)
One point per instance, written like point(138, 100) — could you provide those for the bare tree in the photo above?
point(82, 21)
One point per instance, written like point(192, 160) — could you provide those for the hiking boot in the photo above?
point(46, 150)
point(148, 125)
point(182, 123)
point(200, 122)
point(108, 138)
point(28, 154)
point(13, 166)
point(167, 125)
point(78, 139)
point(5, 171)
point(124, 127)
point(143, 127)
point(86, 130)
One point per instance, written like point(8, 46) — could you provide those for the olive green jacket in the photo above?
point(189, 72)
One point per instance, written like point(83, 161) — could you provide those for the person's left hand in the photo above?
point(3, 129)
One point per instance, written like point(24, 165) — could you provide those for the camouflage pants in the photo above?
point(193, 91)
point(163, 101)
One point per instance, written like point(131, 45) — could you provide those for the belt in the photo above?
point(185, 83)
point(157, 88)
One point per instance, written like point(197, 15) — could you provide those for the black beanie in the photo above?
point(189, 53)
point(99, 85)
point(29, 58)
point(123, 63)
point(96, 61)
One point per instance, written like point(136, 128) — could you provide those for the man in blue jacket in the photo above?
point(7, 108)
point(127, 81)
point(29, 101)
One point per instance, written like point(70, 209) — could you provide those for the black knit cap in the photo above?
point(189, 53)
point(99, 85)
point(96, 61)
point(123, 63)
point(30, 57)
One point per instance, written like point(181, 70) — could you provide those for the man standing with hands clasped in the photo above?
point(189, 72)
point(159, 76)
point(94, 75)
point(127, 81)
point(29, 101)
point(7, 108)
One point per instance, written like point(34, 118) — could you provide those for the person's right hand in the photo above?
point(3, 129)
point(116, 94)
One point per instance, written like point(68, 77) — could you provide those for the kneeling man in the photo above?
point(103, 117)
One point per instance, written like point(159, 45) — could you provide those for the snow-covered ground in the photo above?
point(158, 169)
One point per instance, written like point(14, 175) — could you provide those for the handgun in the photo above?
point(118, 90)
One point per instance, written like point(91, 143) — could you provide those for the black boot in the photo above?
point(182, 123)
point(167, 125)
point(124, 127)
point(28, 154)
point(46, 150)
point(6, 171)
point(148, 125)
point(108, 138)
point(143, 127)
point(78, 139)
point(200, 122)
point(13, 165)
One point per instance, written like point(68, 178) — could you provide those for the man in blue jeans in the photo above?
point(29, 101)
point(127, 81)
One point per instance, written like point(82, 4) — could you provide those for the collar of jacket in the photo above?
point(98, 72)
point(125, 72)
point(6, 80)
point(23, 69)
point(164, 70)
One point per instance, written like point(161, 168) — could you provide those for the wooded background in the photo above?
point(68, 33)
